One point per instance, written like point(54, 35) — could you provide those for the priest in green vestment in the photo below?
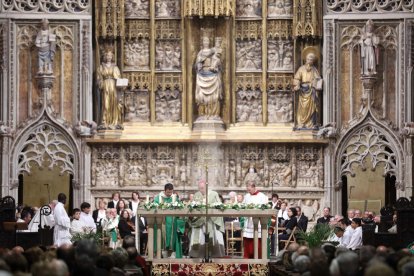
point(172, 228)
point(199, 225)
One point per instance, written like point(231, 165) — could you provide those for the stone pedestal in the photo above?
point(110, 133)
point(209, 128)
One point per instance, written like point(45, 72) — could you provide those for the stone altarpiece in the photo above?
point(155, 45)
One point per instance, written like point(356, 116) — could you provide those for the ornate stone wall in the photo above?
point(295, 172)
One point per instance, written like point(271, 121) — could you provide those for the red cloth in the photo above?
point(249, 248)
point(255, 193)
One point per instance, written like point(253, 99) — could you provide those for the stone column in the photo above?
point(256, 237)
point(263, 223)
point(150, 245)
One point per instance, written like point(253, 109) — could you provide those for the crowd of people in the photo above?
point(183, 237)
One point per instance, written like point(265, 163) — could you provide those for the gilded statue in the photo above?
point(112, 109)
point(307, 82)
point(369, 50)
point(46, 44)
point(209, 87)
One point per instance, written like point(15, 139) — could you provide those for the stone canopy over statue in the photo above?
point(209, 87)
point(307, 82)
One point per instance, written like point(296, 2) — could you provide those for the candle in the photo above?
point(235, 199)
point(147, 201)
point(232, 228)
point(161, 198)
point(173, 198)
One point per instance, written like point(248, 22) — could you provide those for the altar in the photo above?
point(161, 266)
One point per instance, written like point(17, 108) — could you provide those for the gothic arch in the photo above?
point(44, 140)
point(370, 139)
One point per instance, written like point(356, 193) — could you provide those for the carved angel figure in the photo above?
point(309, 208)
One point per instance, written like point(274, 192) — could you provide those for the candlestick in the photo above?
point(161, 199)
point(235, 199)
point(174, 198)
point(147, 201)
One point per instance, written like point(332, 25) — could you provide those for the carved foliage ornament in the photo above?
point(46, 146)
point(46, 6)
point(352, 36)
point(208, 8)
point(368, 142)
point(363, 6)
point(307, 18)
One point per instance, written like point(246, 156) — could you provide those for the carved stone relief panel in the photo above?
point(167, 8)
point(225, 166)
point(249, 105)
point(281, 167)
point(249, 55)
point(280, 8)
point(280, 107)
point(136, 54)
point(135, 168)
point(137, 108)
point(280, 55)
point(249, 8)
point(168, 98)
point(47, 6)
point(168, 105)
point(136, 8)
point(105, 167)
point(309, 167)
point(168, 55)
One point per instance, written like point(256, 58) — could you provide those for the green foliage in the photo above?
point(89, 235)
point(317, 236)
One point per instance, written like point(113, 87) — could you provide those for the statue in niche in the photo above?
point(249, 55)
point(248, 8)
point(307, 82)
point(369, 50)
point(136, 8)
point(137, 54)
point(168, 55)
point(252, 175)
point(209, 88)
point(112, 109)
point(232, 173)
point(46, 44)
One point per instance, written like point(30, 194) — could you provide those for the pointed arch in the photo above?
point(370, 140)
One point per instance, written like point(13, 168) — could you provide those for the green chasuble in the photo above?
point(172, 230)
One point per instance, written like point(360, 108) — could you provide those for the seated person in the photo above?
point(289, 224)
point(282, 214)
point(125, 225)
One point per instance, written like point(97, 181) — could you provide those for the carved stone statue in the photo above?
point(277, 7)
point(137, 54)
point(280, 55)
point(167, 8)
point(307, 82)
point(252, 175)
point(249, 106)
point(168, 55)
point(249, 55)
point(209, 88)
point(369, 50)
point(248, 8)
point(46, 44)
point(136, 8)
point(107, 74)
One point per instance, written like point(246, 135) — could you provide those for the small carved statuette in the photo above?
point(46, 44)
point(369, 50)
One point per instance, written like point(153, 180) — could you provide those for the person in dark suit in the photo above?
point(302, 220)
point(100, 213)
point(143, 234)
point(114, 201)
point(125, 225)
point(326, 216)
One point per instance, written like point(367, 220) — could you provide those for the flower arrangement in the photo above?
point(88, 235)
point(194, 205)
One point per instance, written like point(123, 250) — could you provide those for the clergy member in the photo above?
point(172, 228)
point(61, 233)
point(253, 196)
point(214, 226)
